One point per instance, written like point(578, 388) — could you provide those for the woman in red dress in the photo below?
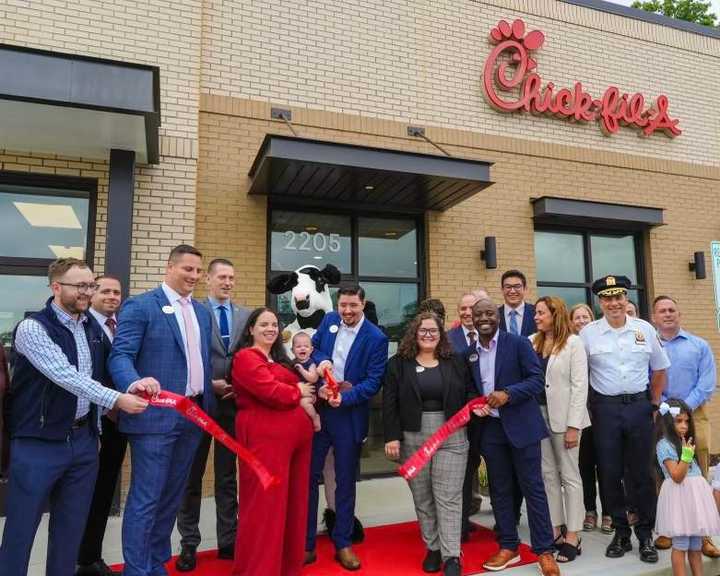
point(270, 423)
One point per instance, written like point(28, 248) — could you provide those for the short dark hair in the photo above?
point(107, 277)
point(60, 266)
point(434, 305)
point(217, 262)
point(663, 297)
point(351, 290)
point(177, 252)
point(513, 274)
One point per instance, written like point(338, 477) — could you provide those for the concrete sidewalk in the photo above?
point(387, 501)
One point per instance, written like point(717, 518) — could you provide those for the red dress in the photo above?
point(270, 423)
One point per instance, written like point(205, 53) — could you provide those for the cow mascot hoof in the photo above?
point(358, 533)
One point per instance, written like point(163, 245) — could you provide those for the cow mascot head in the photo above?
point(310, 296)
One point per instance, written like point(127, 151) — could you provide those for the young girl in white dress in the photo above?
point(686, 508)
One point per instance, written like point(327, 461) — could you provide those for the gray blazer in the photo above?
point(222, 360)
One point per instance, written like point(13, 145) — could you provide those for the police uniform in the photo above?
point(620, 361)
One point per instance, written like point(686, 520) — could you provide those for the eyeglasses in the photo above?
point(81, 288)
point(428, 331)
point(513, 287)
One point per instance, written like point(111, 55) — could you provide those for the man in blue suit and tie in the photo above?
point(356, 350)
point(507, 372)
point(163, 340)
point(463, 335)
point(516, 316)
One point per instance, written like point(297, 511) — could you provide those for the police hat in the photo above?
point(611, 285)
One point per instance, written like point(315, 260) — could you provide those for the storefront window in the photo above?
point(569, 261)
point(382, 255)
point(41, 218)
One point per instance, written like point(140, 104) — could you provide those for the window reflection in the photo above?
point(559, 257)
point(299, 238)
point(387, 247)
point(34, 225)
point(21, 294)
point(614, 255)
point(571, 296)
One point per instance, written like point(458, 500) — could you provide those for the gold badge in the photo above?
point(639, 337)
point(610, 281)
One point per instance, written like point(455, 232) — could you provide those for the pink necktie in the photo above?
point(193, 347)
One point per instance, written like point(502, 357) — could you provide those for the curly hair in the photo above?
point(408, 347)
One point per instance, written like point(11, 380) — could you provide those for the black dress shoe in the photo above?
point(98, 568)
point(432, 562)
point(452, 567)
point(648, 553)
point(226, 552)
point(618, 546)
point(187, 561)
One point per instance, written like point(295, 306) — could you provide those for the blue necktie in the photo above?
point(513, 322)
point(224, 327)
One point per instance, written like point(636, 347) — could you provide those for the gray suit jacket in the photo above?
point(220, 359)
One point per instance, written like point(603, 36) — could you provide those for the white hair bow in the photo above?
point(665, 408)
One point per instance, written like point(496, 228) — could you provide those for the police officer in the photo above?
point(621, 352)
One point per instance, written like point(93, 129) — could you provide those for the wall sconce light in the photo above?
point(490, 253)
point(698, 265)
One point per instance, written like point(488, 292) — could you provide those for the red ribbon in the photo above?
point(419, 459)
point(332, 384)
point(192, 412)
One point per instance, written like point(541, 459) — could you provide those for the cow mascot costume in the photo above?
point(310, 301)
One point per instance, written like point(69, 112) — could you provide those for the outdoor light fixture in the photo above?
point(698, 265)
point(490, 253)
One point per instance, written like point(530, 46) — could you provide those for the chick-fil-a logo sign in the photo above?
point(510, 68)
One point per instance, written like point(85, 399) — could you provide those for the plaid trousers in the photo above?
point(437, 490)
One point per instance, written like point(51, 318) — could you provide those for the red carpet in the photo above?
point(393, 550)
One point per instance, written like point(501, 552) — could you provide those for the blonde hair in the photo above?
point(580, 306)
point(560, 324)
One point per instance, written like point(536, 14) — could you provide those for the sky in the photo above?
point(715, 5)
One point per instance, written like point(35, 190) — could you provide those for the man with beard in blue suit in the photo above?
point(356, 351)
point(507, 372)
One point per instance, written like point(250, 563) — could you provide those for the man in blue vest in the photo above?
point(55, 403)
point(356, 351)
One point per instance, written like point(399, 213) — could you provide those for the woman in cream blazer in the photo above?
point(564, 405)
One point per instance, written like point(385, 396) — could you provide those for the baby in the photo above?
point(302, 348)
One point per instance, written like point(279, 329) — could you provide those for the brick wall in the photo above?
point(421, 62)
point(231, 223)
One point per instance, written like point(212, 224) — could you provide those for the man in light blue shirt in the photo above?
point(690, 378)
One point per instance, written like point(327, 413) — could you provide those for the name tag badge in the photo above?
point(168, 309)
point(333, 328)
point(419, 369)
point(474, 358)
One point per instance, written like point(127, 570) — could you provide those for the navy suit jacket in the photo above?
point(457, 340)
point(528, 327)
point(148, 342)
point(364, 368)
point(518, 371)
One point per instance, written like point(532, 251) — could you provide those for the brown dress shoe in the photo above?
point(547, 565)
point(310, 557)
point(663, 543)
point(709, 549)
point(347, 559)
point(502, 560)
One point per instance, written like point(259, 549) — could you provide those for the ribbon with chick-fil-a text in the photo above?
point(192, 412)
point(417, 461)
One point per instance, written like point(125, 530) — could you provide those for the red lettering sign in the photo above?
point(511, 84)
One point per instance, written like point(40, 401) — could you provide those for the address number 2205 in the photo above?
point(307, 242)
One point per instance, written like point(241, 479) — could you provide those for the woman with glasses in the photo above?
point(425, 384)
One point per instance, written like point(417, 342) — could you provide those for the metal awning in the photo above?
point(328, 174)
point(76, 105)
point(571, 212)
